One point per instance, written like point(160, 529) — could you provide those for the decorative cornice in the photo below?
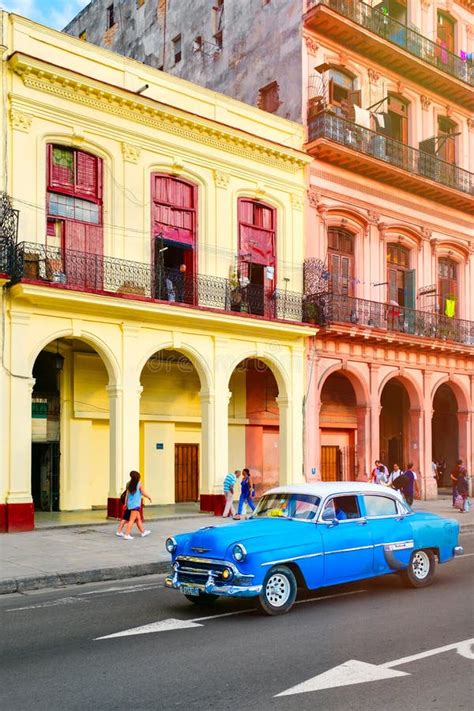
point(426, 4)
point(470, 124)
point(140, 110)
point(297, 201)
point(20, 121)
point(130, 153)
point(373, 75)
point(373, 217)
point(313, 197)
point(425, 102)
point(221, 179)
point(312, 45)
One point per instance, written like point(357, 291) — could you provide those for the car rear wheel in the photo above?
point(202, 599)
point(278, 591)
point(421, 569)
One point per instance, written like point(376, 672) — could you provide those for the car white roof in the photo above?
point(327, 488)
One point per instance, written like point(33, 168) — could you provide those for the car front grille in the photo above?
point(193, 570)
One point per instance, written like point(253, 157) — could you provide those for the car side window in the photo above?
point(342, 507)
point(380, 506)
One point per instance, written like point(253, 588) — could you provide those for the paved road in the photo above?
point(51, 658)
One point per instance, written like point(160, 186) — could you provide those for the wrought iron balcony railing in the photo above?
point(327, 125)
point(6, 254)
point(80, 271)
point(402, 36)
point(325, 308)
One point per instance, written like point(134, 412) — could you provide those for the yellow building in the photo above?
point(151, 307)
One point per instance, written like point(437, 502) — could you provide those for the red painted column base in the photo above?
point(114, 508)
point(19, 517)
point(3, 518)
point(212, 503)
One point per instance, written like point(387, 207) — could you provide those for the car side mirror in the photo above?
point(329, 517)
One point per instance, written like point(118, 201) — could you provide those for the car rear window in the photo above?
point(380, 506)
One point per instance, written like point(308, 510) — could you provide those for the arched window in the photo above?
point(174, 235)
point(74, 213)
point(400, 278)
point(257, 254)
point(341, 261)
point(448, 286)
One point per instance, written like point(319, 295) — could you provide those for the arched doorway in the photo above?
point(395, 424)
point(70, 428)
point(170, 428)
point(254, 419)
point(445, 432)
point(338, 427)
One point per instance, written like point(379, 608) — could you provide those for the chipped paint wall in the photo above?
point(243, 65)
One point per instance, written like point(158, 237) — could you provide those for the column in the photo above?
point(286, 444)
point(375, 409)
point(312, 406)
point(20, 510)
point(19, 503)
point(430, 486)
point(363, 464)
point(124, 440)
point(415, 436)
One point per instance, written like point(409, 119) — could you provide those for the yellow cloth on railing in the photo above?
point(450, 308)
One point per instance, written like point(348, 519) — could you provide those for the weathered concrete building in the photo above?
point(226, 46)
point(386, 93)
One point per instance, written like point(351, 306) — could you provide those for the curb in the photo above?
point(97, 575)
point(112, 520)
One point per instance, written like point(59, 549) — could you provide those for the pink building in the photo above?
point(390, 237)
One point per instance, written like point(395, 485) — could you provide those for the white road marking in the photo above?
point(174, 624)
point(125, 590)
point(355, 672)
point(49, 603)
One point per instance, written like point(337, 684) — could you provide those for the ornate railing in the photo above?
point(401, 36)
point(6, 253)
point(328, 125)
point(67, 269)
point(324, 309)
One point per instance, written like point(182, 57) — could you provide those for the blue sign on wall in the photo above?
point(160, 445)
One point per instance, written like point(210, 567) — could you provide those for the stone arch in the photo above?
point(345, 218)
point(459, 392)
point(196, 358)
point(276, 367)
point(411, 238)
point(413, 389)
point(360, 387)
point(107, 355)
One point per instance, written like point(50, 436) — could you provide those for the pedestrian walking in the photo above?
point(394, 474)
point(410, 488)
point(133, 502)
point(229, 483)
point(458, 469)
point(247, 491)
point(463, 491)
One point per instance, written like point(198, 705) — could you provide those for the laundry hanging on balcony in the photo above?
point(450, 307)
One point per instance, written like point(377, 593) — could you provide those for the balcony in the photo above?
point(360, 150)
point(371, 33)
point(359, 319)
point(79, 271)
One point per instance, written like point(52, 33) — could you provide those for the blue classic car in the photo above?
point(311, 536)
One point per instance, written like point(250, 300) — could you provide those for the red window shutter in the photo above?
point(61, 167)
point(392, 285)
point(345, 275)
point(87, 175)
point(334, 272)
point(75, 236)
point(94, 241)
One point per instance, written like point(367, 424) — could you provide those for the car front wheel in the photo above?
point(278, 591)
point(421, 569)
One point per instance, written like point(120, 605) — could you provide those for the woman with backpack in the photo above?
point(133, 501)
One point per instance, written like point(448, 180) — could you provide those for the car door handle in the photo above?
point(362, 522)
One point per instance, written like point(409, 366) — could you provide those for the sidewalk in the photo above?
point(87, 553)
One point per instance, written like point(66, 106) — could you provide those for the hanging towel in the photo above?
point(362, 117)
point(450, 308)
point(463, 56)
point(380, 120)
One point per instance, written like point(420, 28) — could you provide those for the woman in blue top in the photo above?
point(133, 503)
point(246, 493)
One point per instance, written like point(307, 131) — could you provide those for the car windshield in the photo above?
point(302, 507)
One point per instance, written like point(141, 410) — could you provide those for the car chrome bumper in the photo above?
point(458, 550)
point(210, 588)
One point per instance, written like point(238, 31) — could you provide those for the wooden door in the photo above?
point(186, 472)
point(330, 463)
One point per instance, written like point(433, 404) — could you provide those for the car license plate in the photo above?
point(189, 590)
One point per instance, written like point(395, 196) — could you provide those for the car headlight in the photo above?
point(239, 553)
point(227, 574)
point(170, 545)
